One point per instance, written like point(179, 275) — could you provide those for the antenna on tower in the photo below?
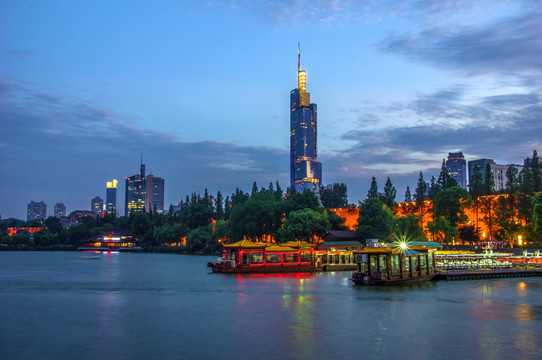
point(298, 58)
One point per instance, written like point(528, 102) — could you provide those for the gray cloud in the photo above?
point(64, 149)
point(508, 46)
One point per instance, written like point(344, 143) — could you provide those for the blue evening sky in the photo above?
point(201, 89)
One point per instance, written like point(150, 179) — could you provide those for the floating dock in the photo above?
point(488, 274)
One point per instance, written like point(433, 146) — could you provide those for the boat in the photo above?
point(389, 265)
point(246, 256)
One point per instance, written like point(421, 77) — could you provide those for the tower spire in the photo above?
point(301, 75)
point(298, 58)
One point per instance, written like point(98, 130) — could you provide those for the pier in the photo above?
point(487, 274)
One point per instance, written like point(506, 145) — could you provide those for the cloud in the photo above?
point(317, 13)
point(508, 46)
point(62, 149)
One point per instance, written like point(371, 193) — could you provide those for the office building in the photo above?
point(60, 210)
point(36, 211)
point(457, 168)
point(305, 170)
point(154, 200)
point(111, 196)
point(97, 205)
point(498, 172)
point(135, 192)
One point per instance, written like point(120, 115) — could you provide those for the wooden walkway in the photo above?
point(487, 274)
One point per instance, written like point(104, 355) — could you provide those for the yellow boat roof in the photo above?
point(247, 244)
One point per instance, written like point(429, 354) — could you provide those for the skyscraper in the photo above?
point(60, 209)
point(154, 194)
point(457, 168)
point(305, 171)
point(111, 196)
point(36, 211)
point(97, 205)
point(135, 192)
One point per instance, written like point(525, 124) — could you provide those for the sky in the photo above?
point(200, 90)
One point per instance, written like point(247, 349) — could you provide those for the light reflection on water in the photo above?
point(140, 306)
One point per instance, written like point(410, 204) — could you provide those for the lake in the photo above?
point(72, 305)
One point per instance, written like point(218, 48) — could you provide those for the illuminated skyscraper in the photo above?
point(97, 205)
point(111, 196)
point(155, 194)
point(60, 209)
point(36, 211)
point(305, 171)
point(135, 192)
point(457, 168)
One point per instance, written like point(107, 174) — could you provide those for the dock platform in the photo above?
point(487, 274)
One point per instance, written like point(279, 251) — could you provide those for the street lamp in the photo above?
point(520, 240)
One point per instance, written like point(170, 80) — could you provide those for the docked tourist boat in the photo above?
point(257, 257)
point(385, 265)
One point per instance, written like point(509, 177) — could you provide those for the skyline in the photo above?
point(201, 90)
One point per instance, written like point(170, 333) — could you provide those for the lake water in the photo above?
point(69, 305)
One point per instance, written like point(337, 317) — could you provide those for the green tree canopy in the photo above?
point(375, 220)
point(304, 224)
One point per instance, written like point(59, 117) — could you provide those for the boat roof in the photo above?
point(427, 244)
point(278, 248)
point(247, 244)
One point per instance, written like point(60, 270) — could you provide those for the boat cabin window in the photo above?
point(430, 261)
point(372, 263)
point(423, 263)
point(305, 256)
point(415, 264)
point(395, 270)
point(253, 258)
point(291, 257)
point(406, 264)
point(382, 262)
point(272, 258)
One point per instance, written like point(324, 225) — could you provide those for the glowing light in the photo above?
point(520, 240)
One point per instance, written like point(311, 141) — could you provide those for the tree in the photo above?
point(408, 228)
point(304, 224)
point(140, 225)
point(450, 204)
point(219, 212)
point(408, 196)
point(375, 220)
point(444, 179)
point(536, 170)
point(335, 221)
point(254, 189)
point(419, 195)
point(476, 190)
point(537, 212)
point(489, 182)
point(198, 238)
point(258, 216)
point(373, 190)
point(389, 195)
point(442, 230)
point(53, 225)
point(334, 196)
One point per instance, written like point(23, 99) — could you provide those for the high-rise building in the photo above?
point(97, 205)
point(135, 192)
point(498, 172)
point(111, 196)
point(457, 168)
point(305, 171)
point(36, 211)
point(60, 210)
point(154, 194)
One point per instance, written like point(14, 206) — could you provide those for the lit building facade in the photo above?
point(305, 170)
point(498, 172)
point(111, 196)
point(60, 210)
point(135, 192)
point(154, 194)
point(97, 205)
point(36, 211)
point(457, 168)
